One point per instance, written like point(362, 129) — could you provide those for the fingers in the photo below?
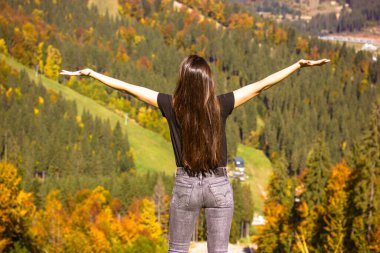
point(324, 61)
point(319, 62)
point(309, 63)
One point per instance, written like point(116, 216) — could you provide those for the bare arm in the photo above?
point(247, 92)
point(144, 94)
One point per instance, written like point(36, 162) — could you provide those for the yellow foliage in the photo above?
point(3, 47)
point(362, 85)
point(138, 39)
point(91, 224)
point(280, 35)
point(18, 92)
point(302, 44)
point(40, 55)
point(8, 94)
point(78, 119)
point(122, 54)
point(238, 20)
point(148, 220)
point(36, 111)
point(40, 100)
point(53, 62)
point(100, 242)
point(53, 98)
point(131, 154)
point(17, 206)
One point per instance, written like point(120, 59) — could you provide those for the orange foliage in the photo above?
point(302, 44)
point(93, 223)
point(364, 67)
point(314, 53)
point(240, 20)
point(145, 63)
point(280, 35)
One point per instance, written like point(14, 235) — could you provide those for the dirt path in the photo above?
point(201, 247)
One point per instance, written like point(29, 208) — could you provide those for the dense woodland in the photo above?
point(313, 120)
point(330, 207)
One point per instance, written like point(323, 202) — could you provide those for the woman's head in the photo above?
point(198, 113)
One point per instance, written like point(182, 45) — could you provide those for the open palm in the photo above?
point(309, 63)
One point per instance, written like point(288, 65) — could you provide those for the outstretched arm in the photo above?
point(247, 92)
point(144, 94)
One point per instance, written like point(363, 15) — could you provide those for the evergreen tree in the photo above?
point(318, 171)
point(364, 194)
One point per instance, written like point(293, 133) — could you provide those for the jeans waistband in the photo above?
point(218, 172)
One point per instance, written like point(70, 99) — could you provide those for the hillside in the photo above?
point(152, 151)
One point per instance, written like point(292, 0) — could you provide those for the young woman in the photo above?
point(197, 118)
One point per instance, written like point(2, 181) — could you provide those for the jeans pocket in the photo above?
point(181, 194)
point(223, 194)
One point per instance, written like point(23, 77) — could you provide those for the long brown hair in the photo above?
point(198, 114)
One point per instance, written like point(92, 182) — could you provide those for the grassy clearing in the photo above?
point(258, 169)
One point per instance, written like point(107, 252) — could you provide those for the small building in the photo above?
point(239, 163)
point(239, 171)
point(369, 47)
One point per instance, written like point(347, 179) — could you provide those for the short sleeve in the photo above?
point(165, 104)
point(227, 103)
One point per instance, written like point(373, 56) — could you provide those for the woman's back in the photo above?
point(165, 103)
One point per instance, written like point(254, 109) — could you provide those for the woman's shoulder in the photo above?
point(164, 102)
point(227, 103)
point(227, 97)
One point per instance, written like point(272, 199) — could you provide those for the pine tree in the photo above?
point(318, 171)
point(364, 195)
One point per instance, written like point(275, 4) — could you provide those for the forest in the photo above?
point(320, 125)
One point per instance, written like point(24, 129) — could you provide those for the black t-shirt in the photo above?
point(164, 101)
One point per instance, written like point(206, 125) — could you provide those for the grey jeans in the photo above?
point(213, 193)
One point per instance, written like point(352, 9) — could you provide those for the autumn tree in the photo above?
point(335, 218)
point(16, 212)
point(53, 62)
point(275, 235)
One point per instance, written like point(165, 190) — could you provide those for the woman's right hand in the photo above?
point(82, 72)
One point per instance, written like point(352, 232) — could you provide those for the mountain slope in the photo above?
point(152, 151)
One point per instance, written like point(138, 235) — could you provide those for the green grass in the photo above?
point(153, 152)
point(258, 169)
